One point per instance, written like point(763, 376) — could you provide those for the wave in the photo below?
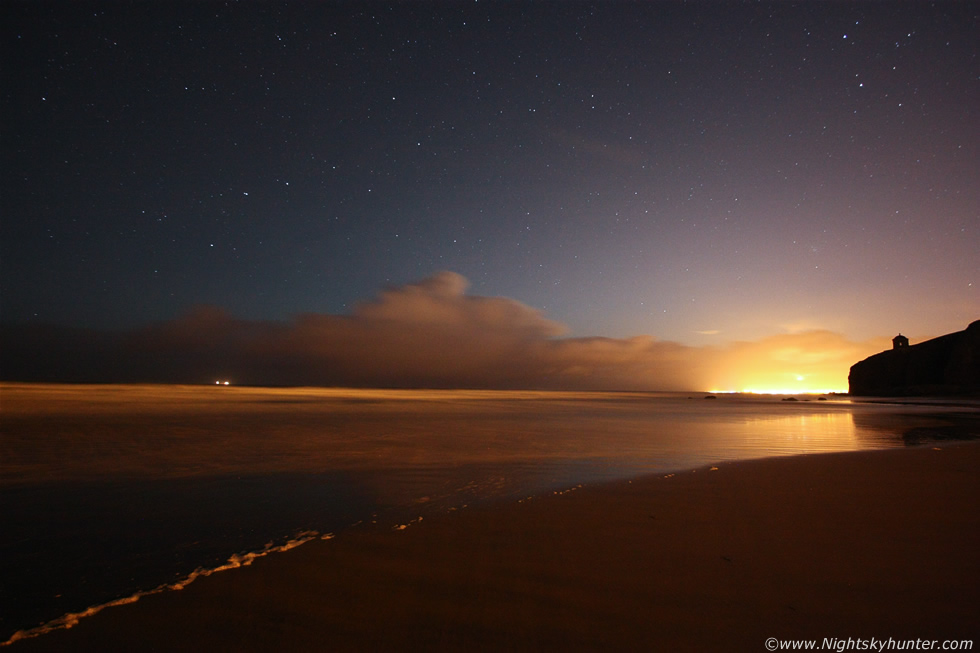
point(234, 562)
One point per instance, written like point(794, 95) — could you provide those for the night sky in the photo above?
point(653, 182)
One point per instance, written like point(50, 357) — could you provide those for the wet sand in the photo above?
point(876, 544)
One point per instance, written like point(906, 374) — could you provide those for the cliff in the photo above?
point(947, 365)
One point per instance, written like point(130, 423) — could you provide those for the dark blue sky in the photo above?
point(700, 172)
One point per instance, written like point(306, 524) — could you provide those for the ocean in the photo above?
point(108, 491)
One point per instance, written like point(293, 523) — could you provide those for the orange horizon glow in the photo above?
point(774, 382)
point(812, 362)
point(780, 391)
point(805, 385)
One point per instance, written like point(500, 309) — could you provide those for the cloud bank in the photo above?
point(428, 334)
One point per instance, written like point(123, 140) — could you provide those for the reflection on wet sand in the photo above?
point(116, 489)
point(917, 425)
point(96, 432)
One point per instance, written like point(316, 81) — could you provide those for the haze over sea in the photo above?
point(112, 490)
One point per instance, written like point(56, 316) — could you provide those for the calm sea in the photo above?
point(106, 491)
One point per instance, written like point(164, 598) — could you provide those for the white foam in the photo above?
point(401, 527)
point(234, 562)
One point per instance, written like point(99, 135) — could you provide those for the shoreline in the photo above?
point(856, 544)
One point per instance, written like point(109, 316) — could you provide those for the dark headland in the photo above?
point(945, 366)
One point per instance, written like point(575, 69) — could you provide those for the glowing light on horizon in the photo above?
point(782, 391)
point(790, 391)
point(758, 378)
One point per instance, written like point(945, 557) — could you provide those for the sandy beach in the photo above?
point(879, 544)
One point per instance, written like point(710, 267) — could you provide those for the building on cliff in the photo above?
point(947, 365)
